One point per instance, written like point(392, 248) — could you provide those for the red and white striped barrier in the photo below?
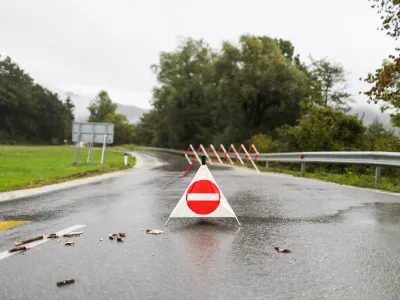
point(217, 154)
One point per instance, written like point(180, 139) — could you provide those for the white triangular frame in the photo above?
point(224, 210)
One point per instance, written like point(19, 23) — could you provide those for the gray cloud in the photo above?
point(85, 46)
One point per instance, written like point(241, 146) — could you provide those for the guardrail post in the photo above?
point(378, 172)
point(267, 164)
point(303, 168)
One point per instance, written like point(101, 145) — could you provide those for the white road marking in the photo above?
point(6, 254)
point(202, 197)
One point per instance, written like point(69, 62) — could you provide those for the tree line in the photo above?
point(256, 91)
point(32, 114)
point(29, 112)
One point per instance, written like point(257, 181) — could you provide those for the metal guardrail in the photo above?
point(377, 159)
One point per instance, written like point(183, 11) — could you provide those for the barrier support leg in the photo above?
point(227, 154)
point(248, 155)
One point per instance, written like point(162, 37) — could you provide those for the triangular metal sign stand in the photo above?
point(182, 210)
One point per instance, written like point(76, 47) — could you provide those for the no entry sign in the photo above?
point(203, 197)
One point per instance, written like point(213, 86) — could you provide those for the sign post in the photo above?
point(91, 133)
point(104, 149)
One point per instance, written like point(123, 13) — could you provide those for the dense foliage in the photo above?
point(29, 112)
point(256, 91)
point(229, 95)
point(386, 79)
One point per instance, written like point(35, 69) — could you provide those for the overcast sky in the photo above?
point(83, 46)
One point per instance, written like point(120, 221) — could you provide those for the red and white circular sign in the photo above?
point(203, 197)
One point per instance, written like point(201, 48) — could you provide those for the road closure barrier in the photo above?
point(221, 152)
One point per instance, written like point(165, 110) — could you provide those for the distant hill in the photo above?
point(370, 113)
point(82, 114)
point(132, 112)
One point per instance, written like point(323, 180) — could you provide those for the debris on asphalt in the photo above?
point(283, 250)
point(52, 236)
point(122, 234)
point(101, 239)
point(16, 249)
point(40, 237)
point(153, 231)
point(69, 244)
point(120, 239)
point(64, 282)
point(111, 236)
point(78, 233)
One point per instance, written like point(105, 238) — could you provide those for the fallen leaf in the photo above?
point(64, 282)
point(40, 237)
point(153, 231)
point(78, 233)
point(283, 250)
point(23, 248)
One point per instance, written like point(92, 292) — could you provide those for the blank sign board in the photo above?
point(85, 132)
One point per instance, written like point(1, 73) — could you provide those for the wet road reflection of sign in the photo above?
point(205, 245)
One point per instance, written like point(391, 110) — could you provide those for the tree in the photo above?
point(332, 79)
point(100, 107)
point(386, 80)
point(378, 138)
point(181, 99)
point(264, 143)
point(147, 132)
point(377, 130)
point(124, 131)
point(69, 115)
point(28, 111)
point(323, 129)
point(258, 87)
point(287, 48)
point(205, 96)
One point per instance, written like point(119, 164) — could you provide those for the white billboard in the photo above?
point(92, 132)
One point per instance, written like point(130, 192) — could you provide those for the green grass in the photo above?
point(24, 167)
point(127, 147)
point(390, 184)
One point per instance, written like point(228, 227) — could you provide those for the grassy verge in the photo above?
point(127, 147)
point(137, 148)
point(27, 167)
point(390, 184)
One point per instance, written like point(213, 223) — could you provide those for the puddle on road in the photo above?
point(177, 163)
point(368, 213)
point(374, 213)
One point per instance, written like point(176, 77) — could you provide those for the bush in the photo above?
point(264, 144)
point(323, 129)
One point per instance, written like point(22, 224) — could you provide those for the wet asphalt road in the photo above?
point(345, 242)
